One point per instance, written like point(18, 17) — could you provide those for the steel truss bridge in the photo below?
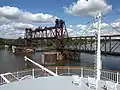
point(71, 47)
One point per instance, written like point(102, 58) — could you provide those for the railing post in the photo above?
point(117, 78)
point(68, 70)
point(33, 74)
point(56, 70)
point(25, 61)
point(81, 72)
point(17, 74)
point(116, 84)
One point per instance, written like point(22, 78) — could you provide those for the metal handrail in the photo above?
point(35, 73)
point(40, 66)
point(21, 75)
point(105, 75)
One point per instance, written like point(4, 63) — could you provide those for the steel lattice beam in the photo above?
point(71, 47)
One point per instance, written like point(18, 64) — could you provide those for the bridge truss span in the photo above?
point(70, 48)
point(110, 44)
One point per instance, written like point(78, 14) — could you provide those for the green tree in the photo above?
point(1, 41)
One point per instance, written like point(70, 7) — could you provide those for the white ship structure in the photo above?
point(63, 78)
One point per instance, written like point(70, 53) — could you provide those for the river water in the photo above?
point(10, 62)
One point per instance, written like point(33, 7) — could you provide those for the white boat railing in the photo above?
point(22, 75)
point(35, 73)
point(2, 81)
point(105, 75)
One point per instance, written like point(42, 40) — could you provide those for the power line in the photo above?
point(110, 25)
point(84, 24)
point(88, 27)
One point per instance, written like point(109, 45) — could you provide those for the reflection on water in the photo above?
point(11, 63)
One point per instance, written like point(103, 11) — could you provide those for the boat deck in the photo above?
point(58, 83)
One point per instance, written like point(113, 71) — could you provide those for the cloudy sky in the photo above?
point(16, 15)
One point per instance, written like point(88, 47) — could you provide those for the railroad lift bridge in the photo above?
point(70, 48)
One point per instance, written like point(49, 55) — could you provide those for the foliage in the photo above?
point(1, 41)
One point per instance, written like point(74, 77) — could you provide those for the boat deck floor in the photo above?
point(57, 83)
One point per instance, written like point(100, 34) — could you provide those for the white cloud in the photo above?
point(14, 30)
point(103, 25)
point(87, 7)
point(70, 26)
point(69, 30)
point(116, 24)
point(76, 30)
point(22, 26)
point(13, 21)
point(16, 14)
point(80, 26)
point(106, 29)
